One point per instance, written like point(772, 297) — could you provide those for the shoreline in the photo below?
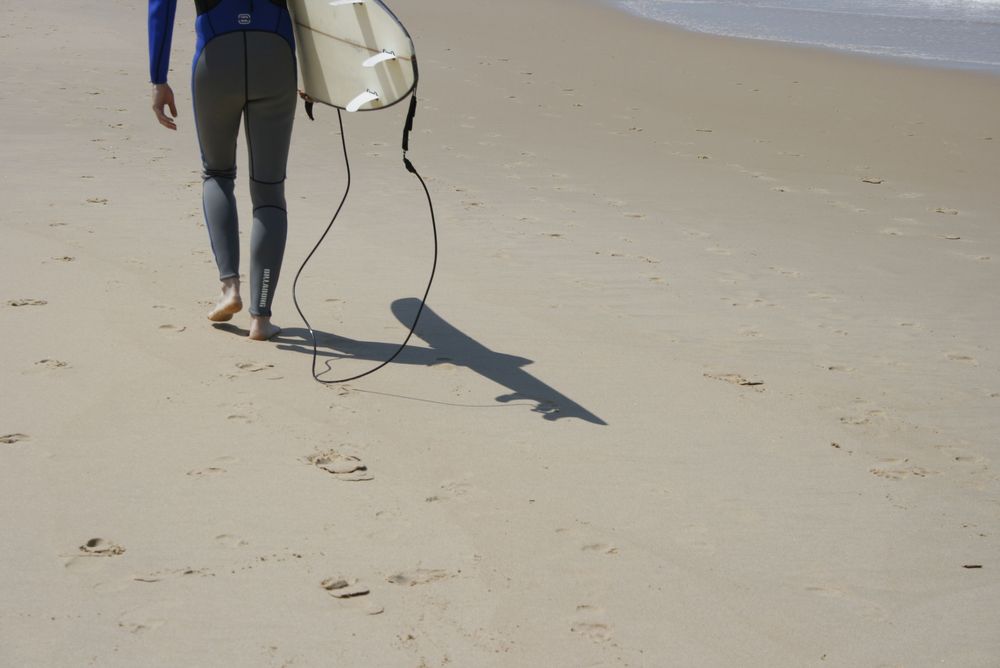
point(981, 67)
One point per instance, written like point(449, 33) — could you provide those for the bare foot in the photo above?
point(229, 302)
point(261, 328)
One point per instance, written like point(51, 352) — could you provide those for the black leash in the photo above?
point(430, 205)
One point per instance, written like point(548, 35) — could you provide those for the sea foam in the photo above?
point(951, 33)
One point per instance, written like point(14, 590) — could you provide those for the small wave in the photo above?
point(965, 38)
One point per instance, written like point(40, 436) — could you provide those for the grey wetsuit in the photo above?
point(244, 69)
point(249, 76)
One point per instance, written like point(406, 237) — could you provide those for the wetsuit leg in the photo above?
point(249, 74)
point(270, 109)
point(219, 95)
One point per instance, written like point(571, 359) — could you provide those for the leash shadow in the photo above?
point(447, 344)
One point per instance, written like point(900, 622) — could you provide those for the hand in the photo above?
point(163, 96)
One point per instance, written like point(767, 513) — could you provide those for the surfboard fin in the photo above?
point(379, 58)
point(363, 98)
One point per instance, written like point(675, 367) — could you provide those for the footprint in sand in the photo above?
point(215, 469)
point(735, 379)
point(10, 439)
point(450, 489)
point(157, 576)
point(27, 302)
point(240, 417)
point(254, 367)
point(901, 472)
point(839, 367)
point(600, 548)
point(86, 558)
point(172, 328)
point(762, 176)
point(343, 467)
point(229, 540)
point(250, 366)
point(695, 234)
point(847, 206)
point(100, 547)
point(960, 357)
point(859, 420)
point(718, 250)
point(52, 364)
point(591, 622)
point(417, 576)
point(590, 541)
point(136, 627)
point(343, 588)
point(345, 591)
point(206, 472)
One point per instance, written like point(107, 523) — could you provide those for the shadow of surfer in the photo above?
point(447, 345)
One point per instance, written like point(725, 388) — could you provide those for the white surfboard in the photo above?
point(353, 54)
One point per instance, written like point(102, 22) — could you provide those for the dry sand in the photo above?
point(710, 375)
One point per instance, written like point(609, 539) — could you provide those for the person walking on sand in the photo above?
point(244, 69)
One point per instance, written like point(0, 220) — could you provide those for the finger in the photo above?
point(165, 120)
point(173, 109)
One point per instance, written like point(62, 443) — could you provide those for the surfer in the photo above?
point(244, 69)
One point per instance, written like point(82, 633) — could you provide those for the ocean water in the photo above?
point(950, 33)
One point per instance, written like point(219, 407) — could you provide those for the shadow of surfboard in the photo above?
point(447, 344)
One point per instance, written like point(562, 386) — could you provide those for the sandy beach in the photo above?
point(708, 376)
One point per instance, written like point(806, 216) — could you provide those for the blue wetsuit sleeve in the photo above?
point(161, 30)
